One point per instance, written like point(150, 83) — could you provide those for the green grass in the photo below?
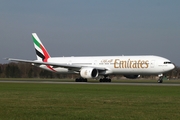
point(19, 101)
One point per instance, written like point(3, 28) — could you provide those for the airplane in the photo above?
point(91, 67)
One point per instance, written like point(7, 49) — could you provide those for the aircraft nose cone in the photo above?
point(173, 66)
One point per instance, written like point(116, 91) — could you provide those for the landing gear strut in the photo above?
point(105, 79)
point(81, 80)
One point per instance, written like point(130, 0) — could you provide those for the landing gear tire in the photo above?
point(80, 80)
point(105, 80)
point(160, 80)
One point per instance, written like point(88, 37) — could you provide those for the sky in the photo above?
point(90, 28)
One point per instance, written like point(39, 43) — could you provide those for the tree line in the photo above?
point(25, 70)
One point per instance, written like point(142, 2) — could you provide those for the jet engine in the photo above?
point(132, 76)
point(89, 72)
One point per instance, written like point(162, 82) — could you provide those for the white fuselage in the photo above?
point(129, 65)
point(93, 66)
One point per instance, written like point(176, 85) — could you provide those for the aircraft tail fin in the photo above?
point(41, 52)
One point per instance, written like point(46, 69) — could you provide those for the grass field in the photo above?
point(21, 101)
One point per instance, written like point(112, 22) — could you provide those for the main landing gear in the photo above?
point(160, 80)
point(81, 80)
point(105, 79)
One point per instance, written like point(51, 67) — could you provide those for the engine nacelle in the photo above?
point(132, 76)
point(89, 72)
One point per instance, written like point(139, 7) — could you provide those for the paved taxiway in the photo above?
point(93, 83)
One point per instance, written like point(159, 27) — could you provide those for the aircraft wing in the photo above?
point(55, 65)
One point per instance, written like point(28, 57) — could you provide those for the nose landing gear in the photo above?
point(160, 80)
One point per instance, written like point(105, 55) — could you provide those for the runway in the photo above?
point(89, 83)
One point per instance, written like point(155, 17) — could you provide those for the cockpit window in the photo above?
point(167, 63)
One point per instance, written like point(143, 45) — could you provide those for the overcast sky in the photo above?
point(91, 27)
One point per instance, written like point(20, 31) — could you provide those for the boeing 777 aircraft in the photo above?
point(94, 66)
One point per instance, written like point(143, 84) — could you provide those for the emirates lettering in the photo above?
point(131, 63)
